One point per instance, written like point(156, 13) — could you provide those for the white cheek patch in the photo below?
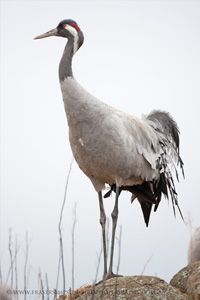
point(71, 29)
point(73, 32)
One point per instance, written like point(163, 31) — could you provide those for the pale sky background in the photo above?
point(137, 56)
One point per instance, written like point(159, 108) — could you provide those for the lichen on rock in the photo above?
point(134, 288)
point(187, 281)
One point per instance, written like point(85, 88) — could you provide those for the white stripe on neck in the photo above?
point(75, 35)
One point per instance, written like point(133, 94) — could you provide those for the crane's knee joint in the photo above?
point(114, 214)
point(102, 220)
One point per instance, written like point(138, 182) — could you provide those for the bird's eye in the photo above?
point(64, 25)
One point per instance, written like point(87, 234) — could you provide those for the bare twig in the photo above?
point(30, 268)
point(16, 271)
point(119, 245)
point(61, 256)
point(96, 275)
point(25, 264)
point(11, 256)
point(119, 257)
point(47, 283)
point(57, 280)
point(41, 283)
point(98, 265)
point(146, 264)
point(11, 265)
point(1, 279)
point(73, 230)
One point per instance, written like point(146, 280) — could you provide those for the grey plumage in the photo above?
point(149, 193)
point(115, 148)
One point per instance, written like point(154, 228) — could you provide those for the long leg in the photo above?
point(103, 225)
point(114, 225)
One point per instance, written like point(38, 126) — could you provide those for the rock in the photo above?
point(194, 247)
point(5, 292)
point(187, 281)
point(134, 288)
point(193, 285)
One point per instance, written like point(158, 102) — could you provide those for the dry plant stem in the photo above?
point(28, 275)
point(16, 273)
point(119, 257)
point(11, 256)
point(60, 232)
point(55, 291)
point(73, 230)
point(41, 283)
point(1, 280)
point(146, 264)
point(98, 265)
point(25, 264)
point(11, 265)
point(47, 283)
point(96, 275)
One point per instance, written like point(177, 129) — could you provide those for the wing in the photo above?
point(134, 146)
point(150, 191)
point(122, 150)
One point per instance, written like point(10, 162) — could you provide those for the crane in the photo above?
point(115, 148)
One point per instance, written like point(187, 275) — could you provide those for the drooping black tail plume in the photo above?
point(150, 193)
point(144, 195)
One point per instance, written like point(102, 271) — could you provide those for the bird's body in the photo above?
point(115, 148)
point(109, 146)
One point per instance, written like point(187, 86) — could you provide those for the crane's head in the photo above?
point(66, 28)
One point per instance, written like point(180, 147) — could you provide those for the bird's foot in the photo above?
point(108, 276)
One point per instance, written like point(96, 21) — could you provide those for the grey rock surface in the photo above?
point(134, 288)
point(187, 281)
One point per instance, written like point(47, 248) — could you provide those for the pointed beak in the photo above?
point(52, 32)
